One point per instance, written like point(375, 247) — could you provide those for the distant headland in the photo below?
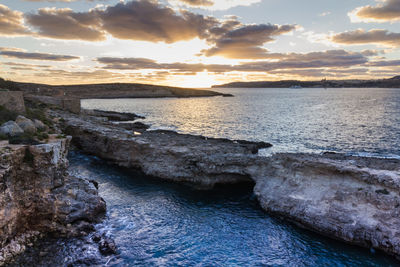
point(106, 90)
point(385, 83)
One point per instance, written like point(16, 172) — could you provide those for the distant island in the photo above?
point(385, 83)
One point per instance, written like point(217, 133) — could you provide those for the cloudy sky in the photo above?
point(197, 43)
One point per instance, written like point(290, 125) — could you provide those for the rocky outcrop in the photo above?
point(10, 129)
point(38, 197)
point(111, 115)
point(26, 125)
point(197, 160)
point(353, 199)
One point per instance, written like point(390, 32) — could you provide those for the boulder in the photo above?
point(11, 129)
point(40, 125)
point(26, 124)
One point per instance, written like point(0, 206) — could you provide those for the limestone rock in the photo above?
point(26, 124)
point(40, 125)
point(11, 129)
point(353, 199)
point(39, 197)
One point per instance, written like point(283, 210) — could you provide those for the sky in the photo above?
point(197, 43)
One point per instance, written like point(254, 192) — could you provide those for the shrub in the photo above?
point(42, 136)
point(39, 114)
point(7, 115)
point(24, 139)
point(6, 84)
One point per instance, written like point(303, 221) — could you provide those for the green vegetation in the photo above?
point(7, 115)
point(24, 139)
point(42, 136)
point(10, 85)
point(37, 111)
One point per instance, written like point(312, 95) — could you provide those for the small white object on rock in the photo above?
point(11, 129)
point(26, 124)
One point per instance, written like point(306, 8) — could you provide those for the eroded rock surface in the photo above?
point(353, 199)
point(38, 197)
point(197, 160)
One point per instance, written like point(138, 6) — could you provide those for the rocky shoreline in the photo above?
point(38, 197)
point(353, 199)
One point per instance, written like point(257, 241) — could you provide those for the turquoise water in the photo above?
point(361, 121)
point(156, 223)
point(161, 224)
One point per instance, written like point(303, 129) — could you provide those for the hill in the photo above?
point(112, 90)
point(386, 83)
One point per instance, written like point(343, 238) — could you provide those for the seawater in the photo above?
point(156, 223)
point(360, 121)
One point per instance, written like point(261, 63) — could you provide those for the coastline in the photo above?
point(346, 185)
point(343, 197)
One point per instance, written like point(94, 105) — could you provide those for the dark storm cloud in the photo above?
point(35, 56)
point(387, 11)
point(375, 36)
point(11, 22)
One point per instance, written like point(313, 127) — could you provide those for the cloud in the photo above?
point(11, 22)
point(385, 63)
point(388, 10)
point(35, 56)
point(66, 24)
point(148, 21)
point(234, 40)
point(144, 20)
point(143, 63)
point(331, 58)
point(66, 1)
point(214, 4)
point(198, 2)
point(14, 64)
point(324, 14)
point(374, 36)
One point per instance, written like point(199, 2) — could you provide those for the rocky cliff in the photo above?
point(38, 197)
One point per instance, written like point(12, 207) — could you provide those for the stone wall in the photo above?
point(12, 100)
point(70, 104)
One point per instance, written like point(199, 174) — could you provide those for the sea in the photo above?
point(358, 121)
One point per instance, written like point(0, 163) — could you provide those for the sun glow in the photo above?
point(200, 80)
